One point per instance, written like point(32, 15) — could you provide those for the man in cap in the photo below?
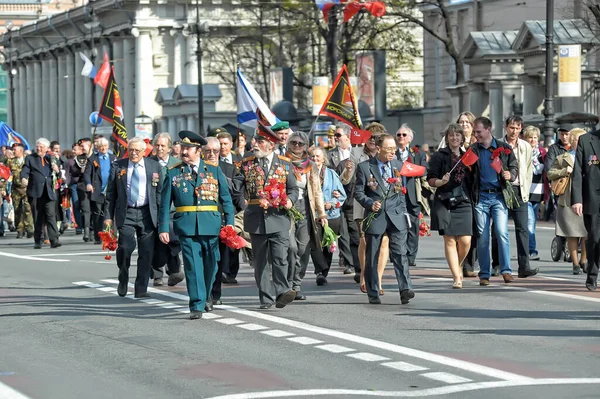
point(268, 226)
point(23, 216)
point(282, 130)
point(196, 189)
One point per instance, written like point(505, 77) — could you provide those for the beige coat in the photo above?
point(558, 170)
point(315, 194)
point(524, 158)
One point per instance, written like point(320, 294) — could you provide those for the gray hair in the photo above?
point(322, 151)
point(301, 135)
point(212, 140)
point(135, 140)
point(405, 126)
point(346, 129)
point(43, 142)
point(103, 140)
point(163, 136)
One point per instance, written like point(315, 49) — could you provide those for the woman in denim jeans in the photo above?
point(536, 192)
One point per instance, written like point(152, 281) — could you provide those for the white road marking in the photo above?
point(278, 333)
point(445, 390)
point(333, 348)
point(9, 255)
point(7, 392)
point(367, 357)
point(169, 305)
point(305, 340)
point(81, 282)
point(403, 366)
point(76, 254)
point(152, 301)
point(92, 285)
point(446, 377)
point(182, 310)
point(252, 327)
point(230, 321)
point(210, 316)
point(107, 289)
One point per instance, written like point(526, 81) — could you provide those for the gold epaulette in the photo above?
point(250, 158)
point(286, 159)
point(175, 165)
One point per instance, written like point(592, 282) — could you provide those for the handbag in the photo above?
point(454, 198)
point(559, 186)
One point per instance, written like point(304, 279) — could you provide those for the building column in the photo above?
point(179, 57)
point(478, 99)
point(164, 125)
point(38, 101)
point(191, 124)
point(46, 106)
point(61, 82)
point(129, 84)
point(87, 101)
point(182, 123)
point(496, 105)
point(511, 96)
point(53, 101)
point(79, 97)
point(144, 74)
point(69, 78)
point(172, 127)
point(29, 123)
point(533, 94)
point(118, 61)
point(21, 111)
point(191, 66)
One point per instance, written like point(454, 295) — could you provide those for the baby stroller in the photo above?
point(559, 250)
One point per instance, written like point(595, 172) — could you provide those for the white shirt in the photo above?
point(344, 154)
point(142, 198)
point(163, 163)
point(227, 159)
point(269, 159)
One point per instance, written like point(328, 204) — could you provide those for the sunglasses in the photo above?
point(297, 143)
point(402, 135)
point(337, 135)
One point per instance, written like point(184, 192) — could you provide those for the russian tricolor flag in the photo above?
point(250, 104)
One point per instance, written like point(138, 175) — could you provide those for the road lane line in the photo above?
point(403, 366)
point(367, 357)
point(9, 255)
point(278, 333)
point(7, 392)
point(152, 301)
point(252, 327)
point(448, 378)
point(305, 340)
point(210, 316)
point(402, 350)
point(230, 321)
point(333, 348)
point(439, 391)
point(107, 289)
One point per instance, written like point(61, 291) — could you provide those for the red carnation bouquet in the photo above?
point(109, 240)
point(510, 198)
point(424, 229)
point(274, 195)
point(231, 239)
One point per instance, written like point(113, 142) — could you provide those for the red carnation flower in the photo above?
point(392, 180)
point(507, 151)
point(338, 204)
point(108, 257)
point(404, 190)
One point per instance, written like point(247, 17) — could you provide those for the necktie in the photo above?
point(264, 164)
point(282, 150)
point(104, 157)
point(135, 185)
point(194, 172)
point(385, 175)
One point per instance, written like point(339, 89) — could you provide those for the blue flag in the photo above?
point(9, 137)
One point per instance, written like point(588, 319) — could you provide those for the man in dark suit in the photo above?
point(95, 177)
point(413, 188)
point(585, 197)
point(225, 154)
point(379, 189)
point(166, 254)
point(133, 196)
point(38, 175)
point(230, 258)
point(269, 228)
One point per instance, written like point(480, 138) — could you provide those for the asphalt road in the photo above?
point(65, 333)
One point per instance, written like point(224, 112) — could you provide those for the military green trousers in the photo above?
point(200, 257)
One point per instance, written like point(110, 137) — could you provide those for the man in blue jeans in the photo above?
point(489, 200)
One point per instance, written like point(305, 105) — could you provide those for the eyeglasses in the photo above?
point(209, 151)
point(297, 143)
point(337, 135)
point(402, 135)
point(389, 149)
point(136, 150)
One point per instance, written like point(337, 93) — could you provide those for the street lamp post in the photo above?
point(91, 25)
point(549, 100)
point(198, 30)
point(11, 75)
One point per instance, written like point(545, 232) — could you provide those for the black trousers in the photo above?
point(322, 257)
point(232, 267)
point(412, 241)
point(520, 216)
point(43, 210)
point(166, 254)
point(85, 208)
point(344, 243)
point(592, 225)
point(137, 228)
point(99, 209)
point(353, 231)
point(225, 253)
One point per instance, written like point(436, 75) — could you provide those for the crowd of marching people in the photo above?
point(293, 202)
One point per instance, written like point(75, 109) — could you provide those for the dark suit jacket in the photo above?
point(586, 173)
point(92, 175)
point(237, 196)
point(235, 158)
point(412, 203)
point(370, 187)
point(117, 195)
point(40, 178)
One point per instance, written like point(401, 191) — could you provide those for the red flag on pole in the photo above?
point(359, 137)
point(497, 165)
point(375, 8)
point(340, 102)
point(412, 170)
point(469, 157)
point(103, 74)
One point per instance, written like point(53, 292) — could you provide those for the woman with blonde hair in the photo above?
point(536, 192)
point(466, 121)
point(568, 224)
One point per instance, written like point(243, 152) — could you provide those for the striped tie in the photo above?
point(135, 185)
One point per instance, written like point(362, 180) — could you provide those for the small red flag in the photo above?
point(469, 157)
point(497, 165)
point(103, 74)
point(412, 170)
point(358, 137)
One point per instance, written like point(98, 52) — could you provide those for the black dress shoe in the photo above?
point(175, 278)
point(141, 295)
point(37, 245)
point(55, 244)
point(29, 234)
point(265, 306)
point(349, 270)
point(321, 280)
point(225, 279)
point(284, 299)
point(122, 288)
point(528, 273)
point(591, 285)
point(208, 307)
point(217, 302)
point(406, 296)
point(300, 296)
point(20, 234)
point(357, 278)
point(195, 315)
point(374, 301)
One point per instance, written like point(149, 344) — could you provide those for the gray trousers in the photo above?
point(271, 265)
point(299, 251)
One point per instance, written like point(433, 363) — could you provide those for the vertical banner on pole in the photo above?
point(320, 91)
point(569, 70)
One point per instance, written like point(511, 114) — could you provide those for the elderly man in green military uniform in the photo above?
point(269, 227)
point(196, 189)
point(23, 215)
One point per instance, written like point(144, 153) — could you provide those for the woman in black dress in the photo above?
point(452, 214)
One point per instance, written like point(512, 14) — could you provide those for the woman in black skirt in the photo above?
point(452, 214)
